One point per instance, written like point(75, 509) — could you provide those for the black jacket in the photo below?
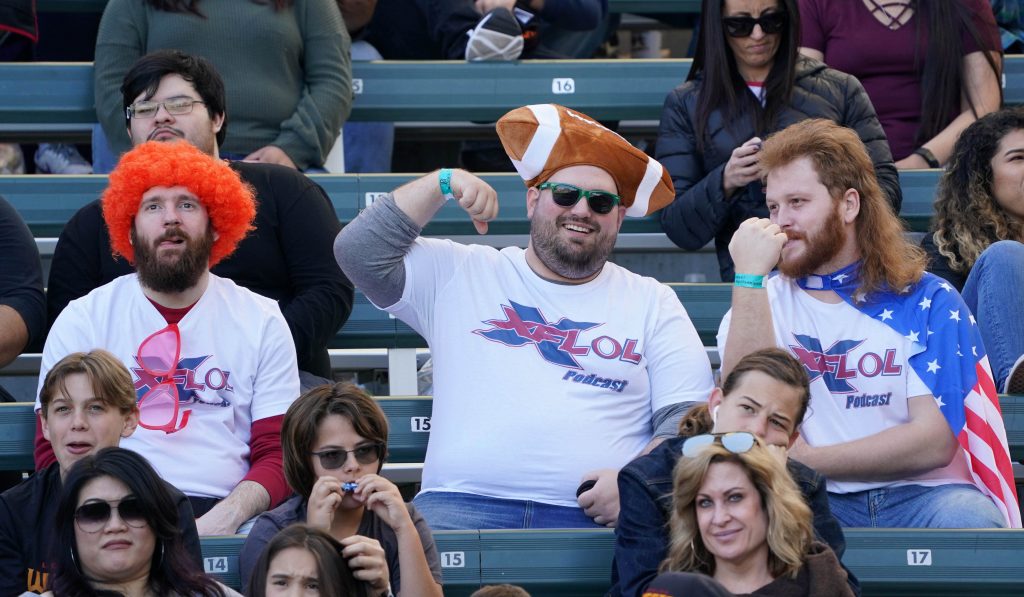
point(701, 211)
point(19, 16)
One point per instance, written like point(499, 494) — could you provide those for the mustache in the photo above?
point(171, 234)
point(578, 220)
point(794, 235)
point(164, 129)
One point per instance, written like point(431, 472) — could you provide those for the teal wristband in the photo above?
point(749, 281)
point(444, 177)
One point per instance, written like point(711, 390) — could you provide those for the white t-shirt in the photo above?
point(237, 365)
point(537, 383)
point(859, 371)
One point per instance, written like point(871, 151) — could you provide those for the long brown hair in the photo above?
point(888, 259)
point(967, 217)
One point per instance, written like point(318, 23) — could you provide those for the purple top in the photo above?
point(855, 42)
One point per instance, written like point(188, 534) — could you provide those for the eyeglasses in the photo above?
point(336, 457)
point(93, 516)
point(736, 442)
point(770, 23)
point(158, 356)
point(566, 195)
point(176, 106)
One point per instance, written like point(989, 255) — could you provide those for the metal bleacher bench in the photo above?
point(888, 562)
point(55, 100)
point(616, 6)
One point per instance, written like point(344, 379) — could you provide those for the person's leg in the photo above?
point(992, 292)
point(954, 506)
point(450, 510)
point(103, 158)
point(852, 509)
point(547, 516)
point(368, 145)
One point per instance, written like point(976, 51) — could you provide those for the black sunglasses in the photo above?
point(93, 516)
point(566, 195)
point(336, 457)
point(770, 23)
point(736, 442)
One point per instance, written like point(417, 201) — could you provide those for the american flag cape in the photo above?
point(950, 359)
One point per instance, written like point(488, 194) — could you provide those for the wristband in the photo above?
point(444, 177)
point(749, 281)
point(928, 156)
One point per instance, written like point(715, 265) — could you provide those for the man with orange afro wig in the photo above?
point(553, 368)
point(213, 363)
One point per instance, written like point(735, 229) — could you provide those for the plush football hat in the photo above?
point(228, 201)
point(544, 138)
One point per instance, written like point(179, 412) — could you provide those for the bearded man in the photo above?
point(551, 366)
point(213, 363)
point(904, 419)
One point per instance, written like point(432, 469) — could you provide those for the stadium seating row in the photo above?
point(55, 100)
point(888, 562)
point(616, 6)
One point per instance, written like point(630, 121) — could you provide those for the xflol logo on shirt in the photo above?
point(838, 368)
point(559, 343)
point(189, 381)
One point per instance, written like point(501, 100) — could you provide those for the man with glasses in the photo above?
point(551, 366)
point(167, 96)
point(213, 363)
point(87, 403)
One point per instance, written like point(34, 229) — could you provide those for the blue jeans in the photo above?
point(955, 506)
point(368, 145)
point(450, 510)
point(992, 292)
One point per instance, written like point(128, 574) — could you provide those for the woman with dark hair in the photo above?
point(334, 440)
point(746, 82)
point(302, 560)
point(117, 534)
point(740, 526)
point(931, 67)
point(977, 238)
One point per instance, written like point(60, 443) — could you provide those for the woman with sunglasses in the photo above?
point(304, 561)
point(117, 533)
point(334, 440)
point(740, 526)
point(930, 67)
point(747, 82)
point(766, 394)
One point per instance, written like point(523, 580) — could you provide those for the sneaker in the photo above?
point(12, 160)
point(60, 158)
point(1015, 380)
point(497, 36)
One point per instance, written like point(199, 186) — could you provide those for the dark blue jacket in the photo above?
point(645, 498)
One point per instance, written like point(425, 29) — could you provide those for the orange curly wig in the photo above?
point(228, 201)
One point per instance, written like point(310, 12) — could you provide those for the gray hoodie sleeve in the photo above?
point(371, 248)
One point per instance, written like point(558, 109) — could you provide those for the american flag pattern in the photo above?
point(950, 359)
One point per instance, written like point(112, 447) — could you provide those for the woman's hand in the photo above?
point(743, 167)
point(383, 498)
point(323, 502)
point(366, 558)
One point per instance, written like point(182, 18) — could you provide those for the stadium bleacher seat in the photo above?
point(578, 562)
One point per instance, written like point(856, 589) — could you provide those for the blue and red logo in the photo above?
point(836, 367)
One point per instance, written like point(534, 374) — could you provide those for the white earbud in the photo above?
point(714, 416)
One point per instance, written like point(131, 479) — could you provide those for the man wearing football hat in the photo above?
point(213, 363)
point(551, 366)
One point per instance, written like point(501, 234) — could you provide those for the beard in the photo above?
point(571, 260)
point(820, 247)
point(172, 273)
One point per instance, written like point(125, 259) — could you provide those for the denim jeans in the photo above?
point(450, 510)
point(954, 506)
point(368, 145)
point(992, 292)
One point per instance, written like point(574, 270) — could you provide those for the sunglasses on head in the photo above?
point(93, 516)
point(771, 22)
point(736, 442)
point(566, 195)
point(336, 457)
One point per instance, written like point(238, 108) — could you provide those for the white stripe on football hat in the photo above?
point(549, 128)
point(652, 176)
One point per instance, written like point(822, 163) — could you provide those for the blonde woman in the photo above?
point(740, 526)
